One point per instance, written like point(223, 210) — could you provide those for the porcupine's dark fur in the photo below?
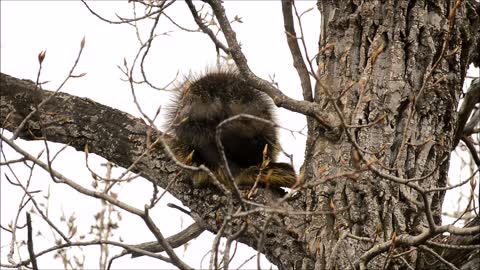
point(200, 105)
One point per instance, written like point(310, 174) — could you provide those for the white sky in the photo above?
point(30, 27)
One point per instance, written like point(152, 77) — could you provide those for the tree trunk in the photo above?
point(385, 72)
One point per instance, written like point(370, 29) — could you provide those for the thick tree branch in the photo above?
point(121, 139)
point(176, 240)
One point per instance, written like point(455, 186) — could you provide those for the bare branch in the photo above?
point(176, 240)
point(31, 253)
point(298, 61)
point(473, 125)
point(124, 21)
point(205, 29)
point(71, 183)
point(471, 98)
point(473, 150)
point(37, 107)
point(280, 99)
point(163, 242)
point(87, 243)
point(445, 262)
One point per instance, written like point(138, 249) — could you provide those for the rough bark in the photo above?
point(387, 50)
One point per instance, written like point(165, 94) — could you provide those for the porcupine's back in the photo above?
point(201, 104)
